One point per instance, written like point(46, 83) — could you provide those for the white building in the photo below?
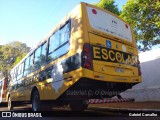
point(149, 89)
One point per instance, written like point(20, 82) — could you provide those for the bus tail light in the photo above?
point(87, 50)
point(86, 57)
point(87, 65)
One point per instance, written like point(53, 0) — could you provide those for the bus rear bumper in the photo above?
point(86, 88)
point(111, 78)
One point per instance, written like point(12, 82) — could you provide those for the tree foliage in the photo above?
point(144, 17)
point(108, 5)
point(11, 54)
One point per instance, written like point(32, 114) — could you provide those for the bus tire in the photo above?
point(36, 103)
point(79, 105)
point(10, 103)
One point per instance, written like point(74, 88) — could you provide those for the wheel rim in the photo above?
point(35, 103)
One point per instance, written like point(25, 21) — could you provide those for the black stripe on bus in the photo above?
point(70, 64)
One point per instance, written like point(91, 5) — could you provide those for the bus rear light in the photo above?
point(94, 11)
point(86, 57)
point(87, 65)
point(86, 50)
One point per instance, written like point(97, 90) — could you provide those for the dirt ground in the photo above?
point(132, 105)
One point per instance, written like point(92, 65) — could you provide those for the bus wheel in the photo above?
point(10, 104)
point(79, 105)
point(36, 104)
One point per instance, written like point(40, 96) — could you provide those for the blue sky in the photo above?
point(29, 21)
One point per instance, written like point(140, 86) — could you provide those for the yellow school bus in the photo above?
point(91, 53)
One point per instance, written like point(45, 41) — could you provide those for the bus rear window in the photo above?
point(107, 23)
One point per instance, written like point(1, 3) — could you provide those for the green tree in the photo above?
point(108, 5)
point(11, 54)
point(19, 58)
point(144, 17)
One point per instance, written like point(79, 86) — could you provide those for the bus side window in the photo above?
point(20, 71)
point(26, 67)
point(54, 42)
point(37, 54)
point(65, 33)
point(37, 58)
point(43, 53)
point(15, 74)
point(31, 63)
point(40, 56)
point(59, 43)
